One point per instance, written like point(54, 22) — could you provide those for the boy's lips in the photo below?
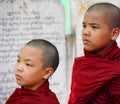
point(85, 41)
point(18, 76)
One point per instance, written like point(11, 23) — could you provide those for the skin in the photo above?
point(96, 33)
point(29, 70)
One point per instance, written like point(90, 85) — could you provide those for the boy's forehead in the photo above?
point(97, 11)
point(30, 49)
point(28, 52)
point(95, 15)
point(95, 18)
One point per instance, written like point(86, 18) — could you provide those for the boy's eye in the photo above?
point(84, 25)
point(94, 27)
point(29, 65)
point(18, 60)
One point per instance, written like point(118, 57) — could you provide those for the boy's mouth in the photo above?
point(85, 41)
point(18, 76)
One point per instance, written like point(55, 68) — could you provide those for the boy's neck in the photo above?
point(94, 53)
point(107, 47)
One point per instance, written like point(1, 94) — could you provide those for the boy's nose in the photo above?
point(19, 67)
point(86, 31)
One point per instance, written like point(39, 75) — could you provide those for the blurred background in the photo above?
point(58, 21)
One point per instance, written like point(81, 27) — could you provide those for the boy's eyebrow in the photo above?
point(83, 22)
point(25, 59)
point(94, 24)
point(90, 23)
point(18, 56)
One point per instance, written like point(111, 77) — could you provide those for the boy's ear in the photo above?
point(115, 33)
point(48, 72)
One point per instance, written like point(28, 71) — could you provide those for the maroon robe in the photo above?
point(96, 78)
point(42, 95)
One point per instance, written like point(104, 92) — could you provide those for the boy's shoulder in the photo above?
point(43, 94)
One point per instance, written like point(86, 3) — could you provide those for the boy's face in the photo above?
point(96, 33)
point(29, 71)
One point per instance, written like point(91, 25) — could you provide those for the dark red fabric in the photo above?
point(96, 78)
point(42, 95)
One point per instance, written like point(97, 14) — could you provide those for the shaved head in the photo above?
point(110, 12)
point(50, 56)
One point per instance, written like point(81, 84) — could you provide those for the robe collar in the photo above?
point(111, 53)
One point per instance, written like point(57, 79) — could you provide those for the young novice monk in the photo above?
point(37, 61)
point(96, 76)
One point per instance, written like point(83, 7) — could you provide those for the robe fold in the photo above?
point(42, 95)
point(96, 78)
